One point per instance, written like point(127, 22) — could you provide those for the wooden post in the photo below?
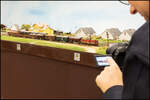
point(107, 38)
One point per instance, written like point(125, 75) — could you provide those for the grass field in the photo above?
point(110, 41)
point(42, 43)
point(99, 50)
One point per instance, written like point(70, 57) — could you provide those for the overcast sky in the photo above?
point(68, 16)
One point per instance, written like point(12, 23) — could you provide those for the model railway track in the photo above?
point(44, 36)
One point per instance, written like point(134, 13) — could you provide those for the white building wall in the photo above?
point(15, 28)
point(124, 37)
point(80, 34)
point(104, 36)
point(128, 37)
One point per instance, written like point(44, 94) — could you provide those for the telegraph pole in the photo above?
point(107, 38)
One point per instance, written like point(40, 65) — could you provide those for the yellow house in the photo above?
point(49, 30)
point(43, 29)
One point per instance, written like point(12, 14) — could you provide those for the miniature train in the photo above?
point(44, 36)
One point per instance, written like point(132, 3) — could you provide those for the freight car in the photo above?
point(44, 36)
point(62, 38)
point(14, 33)
point(24, 34)
point(89, 42)
point(75, 40)
point(34, 35)
point(51, 38)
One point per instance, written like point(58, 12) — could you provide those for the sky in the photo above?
point(69, 16)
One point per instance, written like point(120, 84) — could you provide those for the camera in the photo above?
point(118, 52)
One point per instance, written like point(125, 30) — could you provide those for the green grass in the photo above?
point(41, 42)
point(101, 50)
point(110, 41)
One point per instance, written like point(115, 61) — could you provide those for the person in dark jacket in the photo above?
point(133, 81)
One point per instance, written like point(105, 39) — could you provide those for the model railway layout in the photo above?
point(44, 36)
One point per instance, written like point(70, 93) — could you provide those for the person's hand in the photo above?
point(110, 76)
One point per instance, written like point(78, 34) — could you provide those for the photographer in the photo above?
point(133, 81)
